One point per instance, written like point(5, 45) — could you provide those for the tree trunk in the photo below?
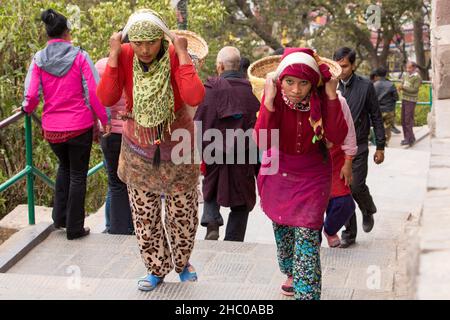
point(263, 31)
point(182, 14)
point(419, 46)
point(387, 38)
point(372, 52)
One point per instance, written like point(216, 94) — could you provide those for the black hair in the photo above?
point(321, 143)
point(373, 74)
point(381, 72)
point(279, 51)
point(323, 151)
point(161, 52)
point(344, 52)
point(125, 39)
point(243, 65)
point(55, 23)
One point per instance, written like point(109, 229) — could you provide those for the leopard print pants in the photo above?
point(153, 235)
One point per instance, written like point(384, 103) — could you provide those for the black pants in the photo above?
point(237, 220)
point(70, 188)
point(360, 192)
point(120, 213)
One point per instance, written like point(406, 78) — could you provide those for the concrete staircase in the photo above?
point(106, 267)
point(100, 266)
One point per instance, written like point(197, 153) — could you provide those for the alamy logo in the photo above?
point(373, 281)
point(74, 280)
point(74, 16)
point(226, 146)
point(373, 14)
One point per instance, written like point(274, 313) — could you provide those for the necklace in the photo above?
point(302, 106)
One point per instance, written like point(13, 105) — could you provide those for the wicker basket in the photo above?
point(335, 68)
point(258, 71)
point(197, 46)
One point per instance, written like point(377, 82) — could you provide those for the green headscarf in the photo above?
point(153, 99)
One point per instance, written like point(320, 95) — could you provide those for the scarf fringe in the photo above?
point(154, 135)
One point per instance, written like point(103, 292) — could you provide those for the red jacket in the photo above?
point(187, 86)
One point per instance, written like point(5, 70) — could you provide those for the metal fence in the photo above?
point(30, 171)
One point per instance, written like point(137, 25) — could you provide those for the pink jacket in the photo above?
point(67, 79)
point(113, 111)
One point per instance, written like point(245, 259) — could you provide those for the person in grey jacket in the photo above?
point(387, 98)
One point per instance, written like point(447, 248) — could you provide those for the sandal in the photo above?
point(287, 288)
point(333, 241)
point(188, 274)
point(149, 282)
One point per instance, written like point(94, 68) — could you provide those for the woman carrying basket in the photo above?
point(296, 196)
point(158, 80)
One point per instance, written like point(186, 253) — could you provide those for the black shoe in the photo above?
point(345, 243)
point(59, 226)
point(404, 143)
point(395, 130)
point(81, 234)
point(368, 222)
point(212, 232)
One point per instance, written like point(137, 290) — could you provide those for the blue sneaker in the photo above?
point(188, 274)
point(149, 282)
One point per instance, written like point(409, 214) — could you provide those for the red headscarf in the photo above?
point(316, 74)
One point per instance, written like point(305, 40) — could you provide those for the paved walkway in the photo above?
point(106, 267)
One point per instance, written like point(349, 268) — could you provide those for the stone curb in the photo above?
point(22, 242)
point(420, 138)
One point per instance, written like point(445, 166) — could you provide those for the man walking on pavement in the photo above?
point(410, 92)
point(362, 100)
point(229, 104)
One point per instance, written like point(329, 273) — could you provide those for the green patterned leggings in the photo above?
point(298, 251)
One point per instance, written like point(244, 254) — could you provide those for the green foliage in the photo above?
point(22, 34)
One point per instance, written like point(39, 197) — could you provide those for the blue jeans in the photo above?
point(119, 212)
point(339, 211)
point(107, 208)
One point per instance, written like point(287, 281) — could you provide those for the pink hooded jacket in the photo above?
point(67, 79)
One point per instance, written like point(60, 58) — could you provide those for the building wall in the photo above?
point(440, 48)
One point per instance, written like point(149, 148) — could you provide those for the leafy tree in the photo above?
point(348, 23)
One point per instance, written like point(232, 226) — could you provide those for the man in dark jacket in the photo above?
point(363, 103)
point(387, 98)
point(229, 104)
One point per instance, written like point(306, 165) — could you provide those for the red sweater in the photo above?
point(187, 86)
point(296, 133)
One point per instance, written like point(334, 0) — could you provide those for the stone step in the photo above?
point(19, 287)
point(108, 266)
